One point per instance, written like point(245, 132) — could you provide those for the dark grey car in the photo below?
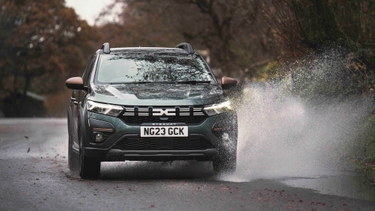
point(157, 104)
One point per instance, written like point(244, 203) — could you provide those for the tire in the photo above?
point(89, 168)
point(225, 163)
point(72, 158)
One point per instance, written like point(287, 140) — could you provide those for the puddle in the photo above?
point(347, 185)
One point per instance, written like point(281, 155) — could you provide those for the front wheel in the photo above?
point(72, 157)
point(89, 167)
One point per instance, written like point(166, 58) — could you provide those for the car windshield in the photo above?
point(150, 68)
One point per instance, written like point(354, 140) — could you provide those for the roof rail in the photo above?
point(187, 47)
point(105, 47)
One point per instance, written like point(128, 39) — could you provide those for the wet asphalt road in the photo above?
point(34, 176)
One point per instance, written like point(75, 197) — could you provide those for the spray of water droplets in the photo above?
point(282, 134)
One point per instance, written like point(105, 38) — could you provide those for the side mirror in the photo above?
point(228, 83)
point(75, 83)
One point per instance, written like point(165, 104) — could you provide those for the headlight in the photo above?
point(107, 109)
point(218, 108)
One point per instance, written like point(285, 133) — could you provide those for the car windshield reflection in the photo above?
point(115, 69)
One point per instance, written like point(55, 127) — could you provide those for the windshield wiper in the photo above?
point(144, 82)
point(163, 82)
point(193, 82)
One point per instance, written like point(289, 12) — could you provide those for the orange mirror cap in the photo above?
point(74, 83)
point(228, 81)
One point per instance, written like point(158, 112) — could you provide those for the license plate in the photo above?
point(165, 131)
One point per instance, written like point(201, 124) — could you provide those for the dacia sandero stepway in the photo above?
point(150, 104)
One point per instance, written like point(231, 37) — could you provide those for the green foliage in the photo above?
point(333, 74)
point(318, 25)
point(368, 134)
point(363, 151)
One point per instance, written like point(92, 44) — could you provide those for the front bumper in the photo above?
point(203, 143)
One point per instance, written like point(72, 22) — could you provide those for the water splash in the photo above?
point(284, 135)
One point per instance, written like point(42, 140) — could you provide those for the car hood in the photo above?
point(158, 94)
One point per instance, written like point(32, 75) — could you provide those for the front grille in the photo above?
point(138, 120)
point(148, 114)
point(136, 143)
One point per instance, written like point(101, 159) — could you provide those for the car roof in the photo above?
point(147, 50)
point(142, 48)
point(182, 47)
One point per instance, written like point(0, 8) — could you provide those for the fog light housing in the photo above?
point(99, 137)
point(225, 136)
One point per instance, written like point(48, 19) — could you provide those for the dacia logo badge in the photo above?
point(165, 112)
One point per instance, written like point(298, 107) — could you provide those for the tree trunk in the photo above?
point(318, 25)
